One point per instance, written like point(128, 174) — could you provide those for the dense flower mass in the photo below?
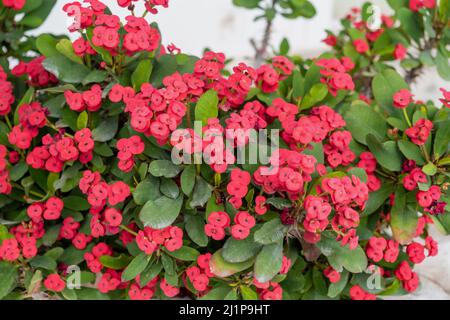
point(163, 175)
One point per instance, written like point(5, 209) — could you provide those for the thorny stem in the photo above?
point(261, 51)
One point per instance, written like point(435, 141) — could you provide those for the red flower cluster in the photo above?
point(378, 248)
point(238, 186)
point(50, 210)
point(368, 162)
point(244, 222)
point(10, 249)
point(128, 148)
point(143, 291)
point(100, 193)
point(32, 117)
point(139, 36)
point(149, 240)
point(416, 5)
point(358, 293)
point(149, 4)
point(332, 275)
point(7, 96)
point(402, 98)
point(335, 74)
point(37, 75)
point(361, 46)
point(338, 149)
point(317, 213)
point(90, 99)
point(420, 132)
point(93, 258)
point(200, 274)
point(217, 222)
point(70, 231)
point(14, 4)
point(54, 283)
point(346, 194)
point(5, 185)
point(268, 290)
point(427, 198)
point(409, 279)
point(445, 100)
point(57, 150)
point(288, 173)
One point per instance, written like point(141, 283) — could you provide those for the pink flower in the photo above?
point(361, 46)
point(402, 98)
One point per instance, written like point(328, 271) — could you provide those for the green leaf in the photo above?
point(147, 190)
point(202, 193)
point(18, 171)
point(387, 153)
point(362, 120)
point(73, 256)
point(65, 69)
point(106, 130)
point(442, 140)
point(270, 232)
point(268, 262)
point(46, 44)
point(207, 107)
point(161, 213)
point(82, 120)
point(411, 151)
point(317, 93)
point(249, 4)
point(430, 169)
point(340, 256)
point(164, 168)
point(65, 47)
point(8, 278)
point(319, 281)
point(384, 86)
point(116, 263)
point(136, 266)
point(378, 198)
point(185, 254)
point(95, 76)
point(44, 262)
point(195, 228)
point(188, 179)
point(335, 289)
point(218, 293)
point(223, 269)
point(248, 293)
point(410, 23)
point(404, 218)
point(236, 251)
point(397, 4)
point(168, 64)
point(279, 203)
point(142, 74)
point(150, 273)
point(169, 188)
point(76, 203)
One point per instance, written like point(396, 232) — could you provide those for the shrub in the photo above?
point(102, 193)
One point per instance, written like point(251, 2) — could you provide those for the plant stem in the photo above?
point(405, 114)
point(128, 230)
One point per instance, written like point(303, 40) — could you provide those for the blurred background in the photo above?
point(193, 25)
